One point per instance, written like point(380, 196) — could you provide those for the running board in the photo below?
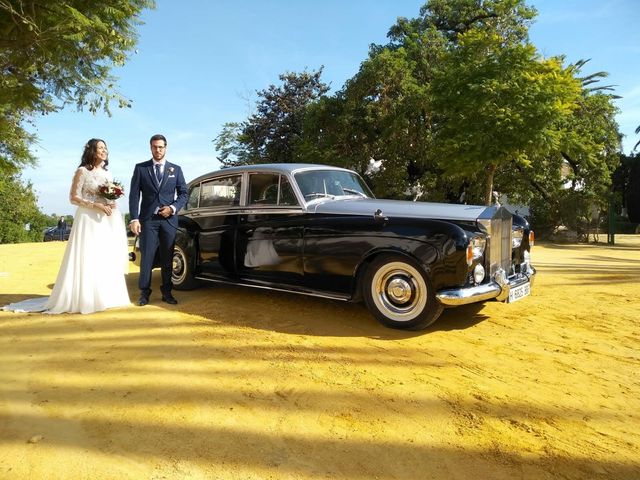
point(331, 296)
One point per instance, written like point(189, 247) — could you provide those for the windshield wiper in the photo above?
point(356, 192)
point(318, 194)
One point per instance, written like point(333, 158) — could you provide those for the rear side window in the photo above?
point(221, 192)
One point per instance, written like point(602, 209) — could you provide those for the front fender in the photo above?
point(440, 252)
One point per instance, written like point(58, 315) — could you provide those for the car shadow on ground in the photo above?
point(459, 318)
point(292, 313)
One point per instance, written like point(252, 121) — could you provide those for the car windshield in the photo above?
point(331, 183)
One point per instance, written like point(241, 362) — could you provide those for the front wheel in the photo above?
point(399, 294)
point(182, 274)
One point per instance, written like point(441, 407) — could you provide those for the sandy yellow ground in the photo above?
point(242, 384)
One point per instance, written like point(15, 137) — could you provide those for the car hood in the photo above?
point(401, 208)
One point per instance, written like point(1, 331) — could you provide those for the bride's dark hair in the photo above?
point(90, 152)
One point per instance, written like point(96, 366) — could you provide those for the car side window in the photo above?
point(263, 189)
point(194, 196)
point(287, 197)
point(221, 192)
point(270, 189)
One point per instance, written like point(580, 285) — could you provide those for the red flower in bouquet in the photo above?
point(111, 190)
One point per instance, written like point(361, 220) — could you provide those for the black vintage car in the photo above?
point(318, 230)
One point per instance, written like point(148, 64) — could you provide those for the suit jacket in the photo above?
point(146, 196)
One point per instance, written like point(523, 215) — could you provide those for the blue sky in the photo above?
point(199, 64)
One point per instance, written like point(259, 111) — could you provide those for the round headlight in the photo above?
point(516, 236)
point(478, 244)
point(478, 273)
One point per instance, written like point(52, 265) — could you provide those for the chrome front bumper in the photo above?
point(498, 289)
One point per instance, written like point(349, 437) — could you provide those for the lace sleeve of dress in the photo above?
point(75, 194)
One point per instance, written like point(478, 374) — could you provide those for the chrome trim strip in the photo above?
point(243, 211)
point(330, 296)
point(271, 211)
point(464, 296)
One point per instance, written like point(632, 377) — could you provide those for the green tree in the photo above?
point(383, 115)
point(58, 53)
point(572, 179)
point(233, 146)
point(273, 132)
point(21, 221)
point(455, 96)
point(458, 104)
point(451, 18)
point(380, 114)
point(497, 102)
point(626, 184)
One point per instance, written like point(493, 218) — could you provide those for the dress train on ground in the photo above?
point(91, 276)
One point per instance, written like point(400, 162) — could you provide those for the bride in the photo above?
point(91, 276)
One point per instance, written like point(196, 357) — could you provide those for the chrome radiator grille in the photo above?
point(497, 222)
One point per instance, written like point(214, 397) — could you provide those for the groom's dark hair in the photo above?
point(157, 136)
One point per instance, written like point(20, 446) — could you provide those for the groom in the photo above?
point(164, 192)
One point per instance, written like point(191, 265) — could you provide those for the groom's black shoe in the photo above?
point(143, 300)
point(168, 298)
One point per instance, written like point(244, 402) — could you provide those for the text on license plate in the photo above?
point(519, 292)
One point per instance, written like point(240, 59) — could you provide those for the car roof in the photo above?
point(267, 167)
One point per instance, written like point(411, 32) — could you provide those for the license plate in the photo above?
point(519, 292)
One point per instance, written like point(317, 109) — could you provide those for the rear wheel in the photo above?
point(182, 274)
point(399, 294)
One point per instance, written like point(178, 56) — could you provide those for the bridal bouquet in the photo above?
point(111, 190)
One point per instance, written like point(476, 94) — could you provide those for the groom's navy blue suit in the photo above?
point(145, 198)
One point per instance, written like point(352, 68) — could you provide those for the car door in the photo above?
point(217, 219)
point(334, 246)
point(269, 232)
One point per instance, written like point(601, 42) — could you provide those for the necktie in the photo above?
point(158, 174)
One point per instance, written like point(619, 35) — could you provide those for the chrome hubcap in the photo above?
point(178, 264)
point(399, 290)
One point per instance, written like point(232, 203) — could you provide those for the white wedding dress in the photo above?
point(91, 276)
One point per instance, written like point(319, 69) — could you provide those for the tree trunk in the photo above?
point(488, 193)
